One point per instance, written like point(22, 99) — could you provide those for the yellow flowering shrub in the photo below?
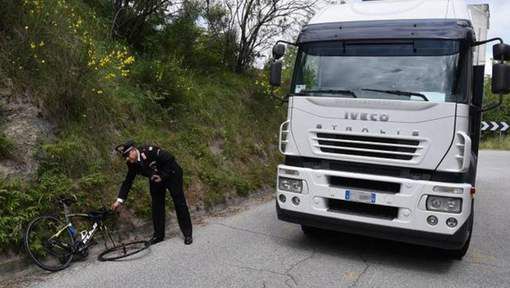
point(66, 19)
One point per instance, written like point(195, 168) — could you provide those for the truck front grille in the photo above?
point(362, 209)
point(367, 146)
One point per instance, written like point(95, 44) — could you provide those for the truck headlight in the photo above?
point(289, 184)
point(444, 204)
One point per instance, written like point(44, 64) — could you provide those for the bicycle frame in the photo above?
point(69, 242)
point(86, 235)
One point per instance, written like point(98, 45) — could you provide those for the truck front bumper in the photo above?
point(454, 241)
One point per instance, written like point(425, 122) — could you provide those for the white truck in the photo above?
point(383, 125)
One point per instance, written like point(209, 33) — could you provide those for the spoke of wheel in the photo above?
point(123, 250)
point(48, 251)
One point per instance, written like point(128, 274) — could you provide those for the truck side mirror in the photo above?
point(501, 71)
point(501, 52)
point(278, 51)
point(275, 74)
point(500, 78)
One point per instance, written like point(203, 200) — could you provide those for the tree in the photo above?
point(221, 36)
point(130, 17)
point(257, 22)
point(501, 113)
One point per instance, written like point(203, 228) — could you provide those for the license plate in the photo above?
point(360, 196)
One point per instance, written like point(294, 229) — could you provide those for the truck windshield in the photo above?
point(417, 70)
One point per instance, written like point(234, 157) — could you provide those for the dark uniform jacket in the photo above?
point(153, 161)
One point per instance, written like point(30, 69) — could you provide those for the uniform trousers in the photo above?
point(158, 192)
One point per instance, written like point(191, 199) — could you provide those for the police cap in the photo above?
point(124, 148)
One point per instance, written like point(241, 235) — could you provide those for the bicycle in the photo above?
point(52, 243)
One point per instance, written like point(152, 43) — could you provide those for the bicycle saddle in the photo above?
point(100, 214)
point(66, 200)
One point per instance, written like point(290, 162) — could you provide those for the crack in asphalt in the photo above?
point(293, 266)
point(257, 269)
point(287, 272)
point(367, 265)
point(290, 277)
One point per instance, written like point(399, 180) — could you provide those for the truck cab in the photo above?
point(383, 124)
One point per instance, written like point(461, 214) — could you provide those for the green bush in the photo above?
point(6, 147)
point(501, 113)
point(17, 207)
point(163, 80)
point(20, 202)
point(491, 140)
point(73, 156)
point(496, 143)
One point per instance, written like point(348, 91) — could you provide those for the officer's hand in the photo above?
point(116, 205)
point(156, 178)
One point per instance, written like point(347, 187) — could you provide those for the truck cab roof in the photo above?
point(376, 10)
point(424, 17)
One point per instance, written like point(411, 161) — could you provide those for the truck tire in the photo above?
point(310, 231)
point(457, 254)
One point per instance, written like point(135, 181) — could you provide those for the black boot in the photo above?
point(155, 239)
point(188, 240)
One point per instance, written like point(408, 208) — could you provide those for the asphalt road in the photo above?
point(254, 249)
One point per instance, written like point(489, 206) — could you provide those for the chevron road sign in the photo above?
point(495, 126)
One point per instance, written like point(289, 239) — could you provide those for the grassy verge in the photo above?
point(496, 143)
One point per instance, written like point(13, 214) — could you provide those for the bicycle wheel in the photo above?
point(50, 250)
point(123, 250)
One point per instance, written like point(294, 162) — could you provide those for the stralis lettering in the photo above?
point(366, 116)
point(337, 127)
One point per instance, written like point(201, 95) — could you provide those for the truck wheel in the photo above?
point(459, 253)
point(309, 231)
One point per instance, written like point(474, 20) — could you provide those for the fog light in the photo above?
point(282, 198)
point(295, 200)
point(432, 220)
point(451, 222)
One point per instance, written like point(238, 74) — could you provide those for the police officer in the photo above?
point(163, 173)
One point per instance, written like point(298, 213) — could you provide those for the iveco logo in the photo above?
point(366, 116)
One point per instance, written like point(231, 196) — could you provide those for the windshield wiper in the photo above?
point(329, 91)
point(398, 92)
